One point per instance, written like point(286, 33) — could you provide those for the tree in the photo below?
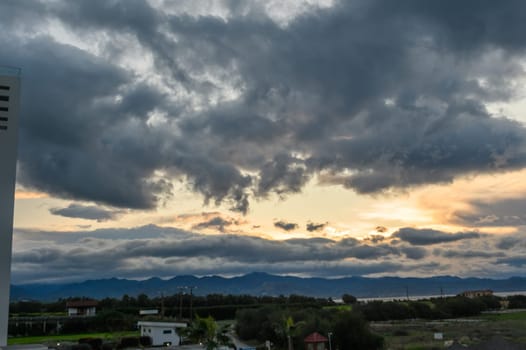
point(288, 328)
point(349, 299)
point(143, 300)
point(207, 332)
point(351, 332)
point(289, 324)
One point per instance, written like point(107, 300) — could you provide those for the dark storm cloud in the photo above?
point(19, 15)
point(311, 226)
point(287, 226)
point(73, 143)
point(283, 174)
point(372, 95)
point(89, 212)
point(430, 237)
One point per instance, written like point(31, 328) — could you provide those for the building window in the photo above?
point(4, 98)
point(4, 87)
point(3, 119)
point(3, 127)
point(167, 331)
point(4, 109)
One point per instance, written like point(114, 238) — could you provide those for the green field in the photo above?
point(514, 316)
point(344, 307)
point(419, 334)
point(61, 338)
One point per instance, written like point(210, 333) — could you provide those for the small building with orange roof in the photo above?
point(315, 341)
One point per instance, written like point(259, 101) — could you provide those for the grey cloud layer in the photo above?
point(162, 249)
point(504, 212)
point(372, 95)
point(311, 226)
point(287, 226)
point(89, 212)
point(430, 237)
point(156, 251)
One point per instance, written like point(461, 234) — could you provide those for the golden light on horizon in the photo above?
point(446, 202)
point(24, 194)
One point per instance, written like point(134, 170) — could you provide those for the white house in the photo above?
point(162, 333)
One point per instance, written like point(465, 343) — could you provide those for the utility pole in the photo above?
point(181, 288)
point(162, 305)
point(191, 302)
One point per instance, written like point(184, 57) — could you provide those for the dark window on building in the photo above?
point(167, 331)
point(4, 98)
point(4, 109)
point(3, 119)
point(3, 127)
point(3, 87)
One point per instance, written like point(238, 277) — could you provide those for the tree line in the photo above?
point(436, 308)
point(258, 317)
point(288, 327)
point(219, 306)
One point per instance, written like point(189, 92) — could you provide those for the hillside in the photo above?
point(265, 284)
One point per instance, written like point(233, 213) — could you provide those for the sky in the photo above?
point(308, 138)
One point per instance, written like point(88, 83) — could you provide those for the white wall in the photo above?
point(8, 156)
point(73, 311)
point(160, 333)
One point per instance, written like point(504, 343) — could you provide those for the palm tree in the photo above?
point(289, 325)
point(287, 328)
point(207, 332)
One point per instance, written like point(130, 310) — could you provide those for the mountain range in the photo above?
point(259, 284)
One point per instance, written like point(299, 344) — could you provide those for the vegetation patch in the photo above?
point(54, 339)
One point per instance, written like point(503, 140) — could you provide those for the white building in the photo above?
point(82, 307)
point(149, 312)
point(9, 98)
point(162, 333)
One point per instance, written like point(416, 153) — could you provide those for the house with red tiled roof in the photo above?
point(315, 341)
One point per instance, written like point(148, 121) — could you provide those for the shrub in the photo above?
point(145, 341)
point(517, 301)
point(129, 342)
point(94, 343)
point(109, 346)
point(81, 347)
point(400, 333)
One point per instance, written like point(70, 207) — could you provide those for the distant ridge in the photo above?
point(260, 283)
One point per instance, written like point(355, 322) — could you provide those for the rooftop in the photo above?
point(10, 71)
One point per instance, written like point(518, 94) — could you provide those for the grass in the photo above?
point(344, 307)
point(59, 338)
point(419, 334)
point(39, 314)
point(521, 315)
